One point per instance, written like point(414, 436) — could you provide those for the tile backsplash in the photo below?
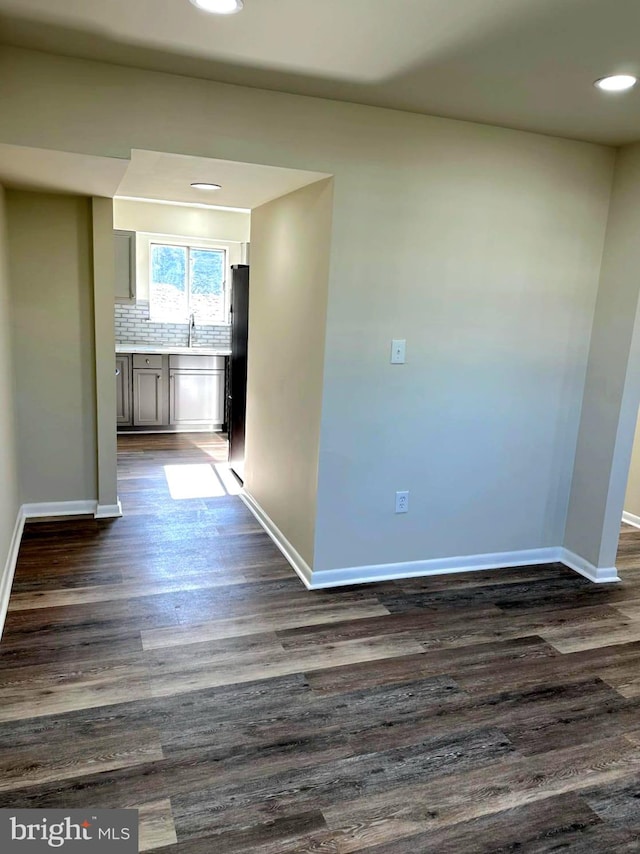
point(134, 327)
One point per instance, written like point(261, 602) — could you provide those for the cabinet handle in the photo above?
point(117, 372)
point(147, 361)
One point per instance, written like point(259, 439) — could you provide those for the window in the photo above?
point(186, 279)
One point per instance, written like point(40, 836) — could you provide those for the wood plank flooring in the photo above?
point(172, 661)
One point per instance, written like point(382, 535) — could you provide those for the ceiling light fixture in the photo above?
point(616, 83)
point(219, 7)
point(205, 185)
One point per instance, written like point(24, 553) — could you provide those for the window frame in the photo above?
point(189, 245)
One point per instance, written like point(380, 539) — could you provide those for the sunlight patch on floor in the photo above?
point(193, 481)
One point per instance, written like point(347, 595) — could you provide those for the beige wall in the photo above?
point(9, 494)
point(179, 219)
point(53, 345)
point(632, 496)
point(479, 245)
point(288, 303)
point(612, 389)
point(482, 249)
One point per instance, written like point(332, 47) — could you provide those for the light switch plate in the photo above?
point(398, 351)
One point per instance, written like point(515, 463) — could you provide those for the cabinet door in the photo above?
point(148, 410)
point(123, 390)
point(196, 398)
point(125, 265)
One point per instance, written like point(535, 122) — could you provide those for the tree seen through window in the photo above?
point(185, 280)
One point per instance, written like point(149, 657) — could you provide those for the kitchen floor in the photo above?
point(172, 472)
point(171, 661)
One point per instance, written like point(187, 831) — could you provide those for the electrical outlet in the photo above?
point(402, 502)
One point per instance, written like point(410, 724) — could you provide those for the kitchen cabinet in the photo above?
point(162, 392)
point(149, 390)
point(148, 397)
point(196, 391)
point(196, 399)
point(125, 265)
point(123, 390)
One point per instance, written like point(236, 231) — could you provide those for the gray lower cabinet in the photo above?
point(196, 398)
point(123, 390)
point(196, 391)
point(170, 392)
point(148, 397)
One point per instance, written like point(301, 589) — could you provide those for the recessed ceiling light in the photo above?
point(616, 83)
point(205, 185)
point(219, 7)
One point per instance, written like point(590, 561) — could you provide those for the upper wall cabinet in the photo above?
point(125, 266)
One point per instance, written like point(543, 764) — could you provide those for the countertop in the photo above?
point(178, 351)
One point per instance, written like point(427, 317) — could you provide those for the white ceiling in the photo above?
point(59, 172)
point(519, 63)
point(149, 175)
point(155, 175)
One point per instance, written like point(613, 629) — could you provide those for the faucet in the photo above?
point(192, 328)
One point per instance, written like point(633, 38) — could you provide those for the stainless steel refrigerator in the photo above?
point(238, 366)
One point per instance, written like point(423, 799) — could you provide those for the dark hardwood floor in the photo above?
point(172, 661)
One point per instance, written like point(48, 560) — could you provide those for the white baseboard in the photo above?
point(437, 566)
point(53, 509)
point(630, 519)
point(296, 560)
point(322, 579)
point(468, 563)
point(59, 508)
point(6, 580)
point(109, 511)
point(597, 574)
